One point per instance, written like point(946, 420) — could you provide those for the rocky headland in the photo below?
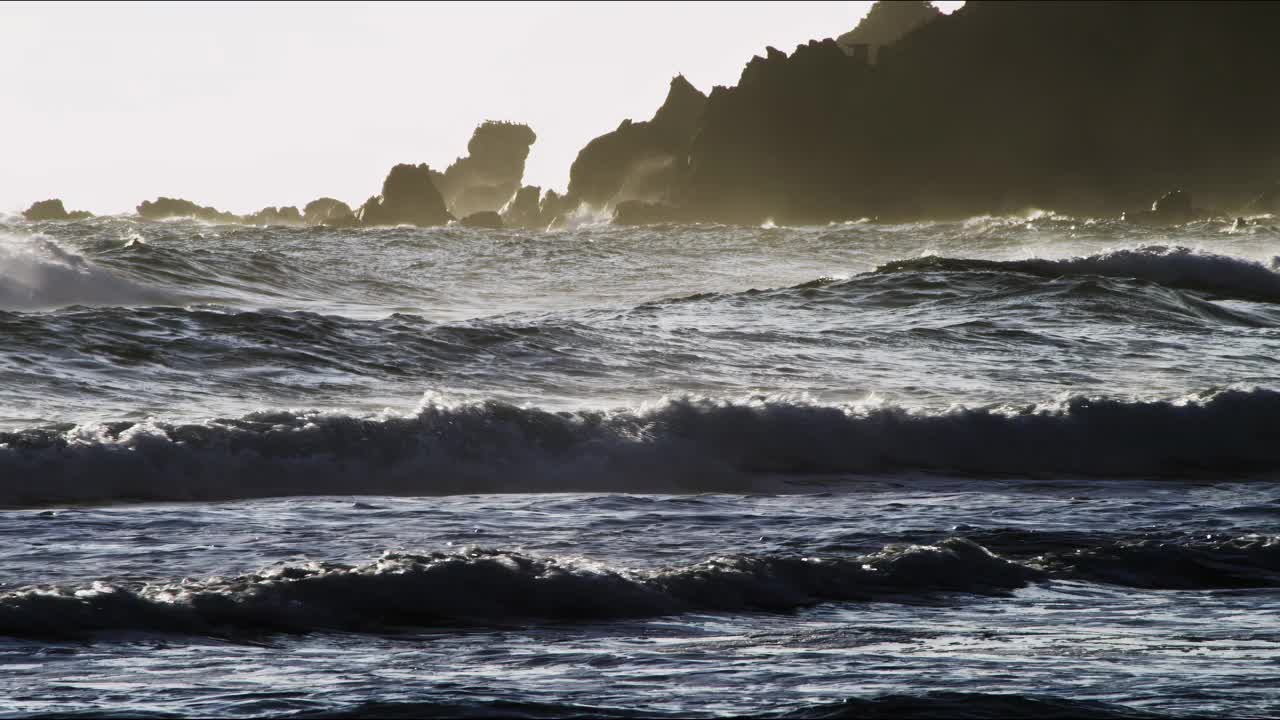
point(1088, 109)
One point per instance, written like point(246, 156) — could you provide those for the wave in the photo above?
point(480, 587)
point(966, 706)
point(484, 587)
point(677, 445)
point(1176, 267)
point(36, 272)
point(961, 705)
point(488, 709)
point(1251, 561)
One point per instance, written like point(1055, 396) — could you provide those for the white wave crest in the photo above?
point(36, 272)
point(1176, 267)
point(674, 446)
point(484, 586)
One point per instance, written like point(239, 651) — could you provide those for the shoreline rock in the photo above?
point(484, 219)
point(330, 212)
point(409, 197)
point(53, 210)
point(490, 174)
point(163, 208)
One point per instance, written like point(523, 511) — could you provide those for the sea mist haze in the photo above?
point(478, 448)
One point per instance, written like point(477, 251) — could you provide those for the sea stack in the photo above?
point(409, 197)
point(487, 178)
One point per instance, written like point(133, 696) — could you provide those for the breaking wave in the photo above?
point(493, 586)
point(36, 272)
point(673, 446)
point(966, 706)
point(1176, 267)
point(1251, 561)
point(961, 705)
point(488, 587)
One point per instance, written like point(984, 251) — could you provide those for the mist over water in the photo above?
point(1006, 466)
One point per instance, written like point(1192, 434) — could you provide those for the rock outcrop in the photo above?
point(163, 208)
point(786, 142)
point(554, 207)
point(1084, 108)
point(287, 215)
point(523, 210)
point(640, 160)
point(327, 211)
point(53, 210)
point(409, 197)
point(483, 219)
point(884, 25)
point(491, 172)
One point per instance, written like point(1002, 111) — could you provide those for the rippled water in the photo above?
point(1005, 467)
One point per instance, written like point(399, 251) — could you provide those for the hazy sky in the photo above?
point(245, 105)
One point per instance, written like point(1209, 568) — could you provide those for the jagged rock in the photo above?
point(327, 211)
point(784, 142)
point(490, 174)
point(887, 21)
point(408, 198)
point(554, 207)
point(640, 160)
point(287, 215)
point(523, 210)
point(164, 207)
point(968, 117)
point(53, 210)
point(483, 219)
point(638, 212)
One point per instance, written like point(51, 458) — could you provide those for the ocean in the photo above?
point(1004, 467)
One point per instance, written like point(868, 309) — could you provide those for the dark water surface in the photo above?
point(1001, 468)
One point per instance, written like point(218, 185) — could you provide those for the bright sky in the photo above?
point(245, 105)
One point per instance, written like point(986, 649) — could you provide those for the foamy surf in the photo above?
point(36, 272)
point(681, 445)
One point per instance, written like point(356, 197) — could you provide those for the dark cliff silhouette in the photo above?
point(1089, 108)
point(490, 174)
point(884, 25)
point(409, 197)
point(53, 210)
point(1085, 108)
point(640, 160)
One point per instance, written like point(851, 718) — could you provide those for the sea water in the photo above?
point(1003, 467)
